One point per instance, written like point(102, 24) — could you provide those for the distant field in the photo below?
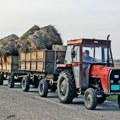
point(117, 65)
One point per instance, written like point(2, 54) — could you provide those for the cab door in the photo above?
point(76, 66)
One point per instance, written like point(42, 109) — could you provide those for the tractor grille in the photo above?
point(115, 81)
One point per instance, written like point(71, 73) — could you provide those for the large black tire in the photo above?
point(1, 79)
point(119, 101)
point(66, 87)
point(90, 99)
point(43, 88)
point(26, 83)
point(11, 82)
point(100, 100)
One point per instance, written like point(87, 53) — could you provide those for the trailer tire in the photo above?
point(119, 101)
point(43, 88)
point(11, 82)
point(66, 87)
point(1, 79)
point(26, 83)
point(90, 99)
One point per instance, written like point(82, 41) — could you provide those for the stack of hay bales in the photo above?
point(8, 45)
point(39, 38)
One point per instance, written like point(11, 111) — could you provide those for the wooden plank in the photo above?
point(28, 65)
point(33, 55)
point(9, 59)
point(22, 65)
point(0, 59)
point(0, 66)
point(8, 67)
point(33, 65)
point(40, 55)
point(27, 57)
point(40, 66)
point(4, 67)
point(22, 56)
point(3, 59)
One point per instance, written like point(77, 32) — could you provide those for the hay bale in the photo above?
point(42, 38)
point(8, 45)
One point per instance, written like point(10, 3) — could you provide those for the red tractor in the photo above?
point(88, 69)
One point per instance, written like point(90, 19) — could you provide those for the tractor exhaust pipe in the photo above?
point(108, 63)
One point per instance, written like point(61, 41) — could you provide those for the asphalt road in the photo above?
point(18, 105)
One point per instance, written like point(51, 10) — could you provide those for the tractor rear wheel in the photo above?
point(11, 82)
point(90, 99)
point(43, 88)
point(66, 87)
point(1, 79)
point(26, 83)
point(119, 101)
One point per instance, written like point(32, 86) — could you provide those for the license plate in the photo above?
point(115, 87)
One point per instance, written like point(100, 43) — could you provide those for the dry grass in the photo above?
point(39, 38)
point(8, 45)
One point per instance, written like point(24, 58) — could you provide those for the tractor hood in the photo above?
point(109, 77)
point(101, 72)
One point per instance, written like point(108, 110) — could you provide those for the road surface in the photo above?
point(18, 105)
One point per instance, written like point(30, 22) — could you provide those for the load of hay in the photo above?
point(8, 45)
point(39, 38)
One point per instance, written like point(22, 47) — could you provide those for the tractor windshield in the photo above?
point(96, 54)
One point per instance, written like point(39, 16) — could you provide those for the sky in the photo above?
point(72, 18)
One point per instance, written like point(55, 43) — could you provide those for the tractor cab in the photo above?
point(81, 54)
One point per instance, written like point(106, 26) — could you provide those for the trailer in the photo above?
point(40, 67)
point(9, 70)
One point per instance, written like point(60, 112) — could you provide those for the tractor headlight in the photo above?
point(111, 81)
point(116, 76)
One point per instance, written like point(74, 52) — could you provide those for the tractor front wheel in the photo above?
point(66, 87)
point(43, 88)
point(90, 99)
point(26, 83)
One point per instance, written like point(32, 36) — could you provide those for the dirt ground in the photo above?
point(18, 105)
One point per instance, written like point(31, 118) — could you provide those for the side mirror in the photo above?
point(72, 53)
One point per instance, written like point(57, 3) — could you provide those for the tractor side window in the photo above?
point(77, 54)
point(68, 58)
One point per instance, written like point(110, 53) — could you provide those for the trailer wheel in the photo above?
point(66, 87)
point(26, 83)
point(119, 101)
point(43, 88)
point(90, 99)
point(1, 79)
point(11, 82)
